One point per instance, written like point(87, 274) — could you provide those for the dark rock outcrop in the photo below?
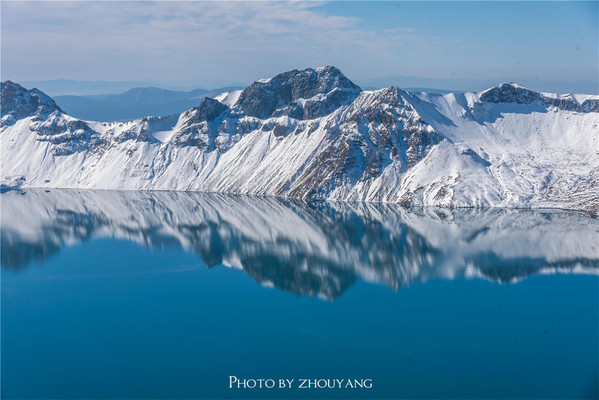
point(18, 102)
point(510, 93)
point(303, 94)
point(208, 110)
point(513, 93)
point(200, 125)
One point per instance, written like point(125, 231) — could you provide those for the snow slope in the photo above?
point(313, 134)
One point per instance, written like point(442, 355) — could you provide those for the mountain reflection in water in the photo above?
point(314, 249)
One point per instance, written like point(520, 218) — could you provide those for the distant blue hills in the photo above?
point(134, 103)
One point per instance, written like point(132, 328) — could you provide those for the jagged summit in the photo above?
point(510, 92)
point(306, 94)
point(208, 110)
point(18, 102)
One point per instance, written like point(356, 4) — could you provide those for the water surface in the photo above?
point(165, 295)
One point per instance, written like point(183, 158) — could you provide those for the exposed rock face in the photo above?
point(201, 126)
point(208, 110)
point(377, 130)
point(18, 102)
point(313, 134)
point(510, 93)
point(514, 93)
point(67, 135)
point(589, 105)
point(303, 94)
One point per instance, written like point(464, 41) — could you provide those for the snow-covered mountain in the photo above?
point(313, 134)
point(309, 248)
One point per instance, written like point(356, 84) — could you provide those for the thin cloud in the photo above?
point(242, 41)
point(126, 40)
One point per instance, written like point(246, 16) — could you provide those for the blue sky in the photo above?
point(243, 41)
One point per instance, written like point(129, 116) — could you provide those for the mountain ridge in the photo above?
point(18, 102)
point(313, 134)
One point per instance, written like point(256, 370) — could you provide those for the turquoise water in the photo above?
point(167, 295)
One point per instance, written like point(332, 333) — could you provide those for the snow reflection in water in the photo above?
point(315, 249)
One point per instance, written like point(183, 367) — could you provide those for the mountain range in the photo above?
point(314, 134)
point(134, 103)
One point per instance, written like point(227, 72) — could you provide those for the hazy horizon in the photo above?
point(187, 45)
point(62, 87)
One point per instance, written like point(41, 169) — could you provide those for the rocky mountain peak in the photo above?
point(510, 92)
point(18, 102)
point(292, 89)
point(208, 110)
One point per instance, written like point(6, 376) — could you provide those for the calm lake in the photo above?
point(109, 294)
